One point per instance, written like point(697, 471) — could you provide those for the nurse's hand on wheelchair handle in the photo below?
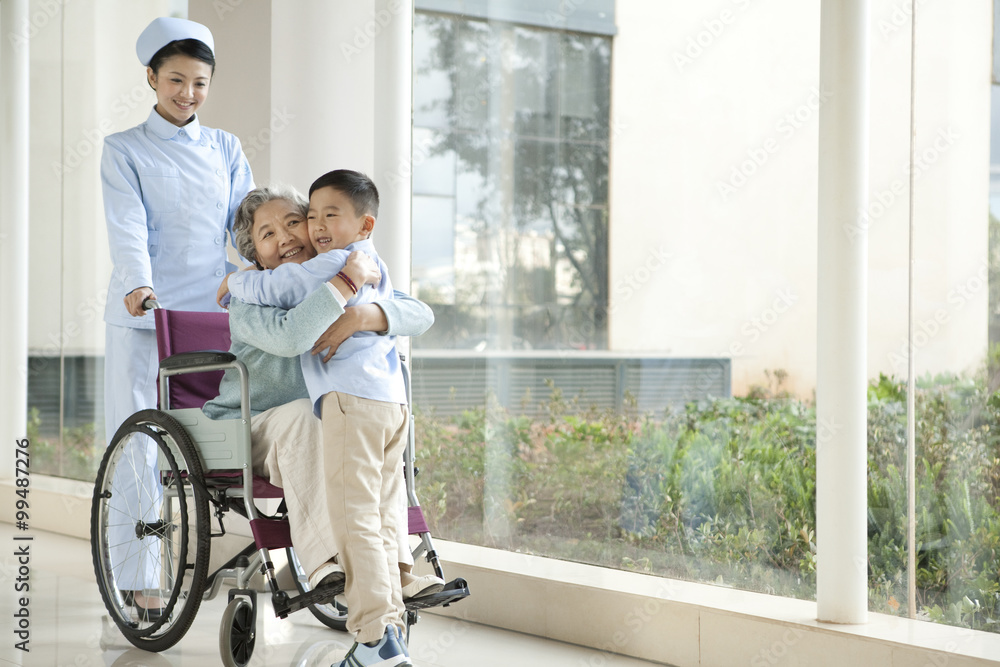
point(135, 300)
point(223, 291)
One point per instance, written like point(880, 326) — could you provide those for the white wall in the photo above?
point(316, 85)
point(86, 83)
point(298, 105)
point(726, 261)
point(299, 109)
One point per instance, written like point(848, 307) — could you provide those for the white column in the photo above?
point(13, 229)
point(295, 81)
point(841, 384)
point(393, 134)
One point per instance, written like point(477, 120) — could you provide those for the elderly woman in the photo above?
point(286, 437)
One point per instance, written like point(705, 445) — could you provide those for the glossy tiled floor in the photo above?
point(69, 626)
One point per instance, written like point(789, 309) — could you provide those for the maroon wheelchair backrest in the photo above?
point(183, 331)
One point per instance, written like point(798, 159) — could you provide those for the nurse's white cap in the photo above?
point(167, 29)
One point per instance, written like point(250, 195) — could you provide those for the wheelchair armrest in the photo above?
point(194, 359)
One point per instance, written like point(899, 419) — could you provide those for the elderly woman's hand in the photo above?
point(135, 299)
point(342, 328)
point(366, 317)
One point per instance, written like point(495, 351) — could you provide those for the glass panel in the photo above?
point(530, 69)
point(435, 246)
point(531, 211)
point(81, 92)
point(996, 46)
point(433, 167)
point(585, 78)
point(473, 48)
point(432, 86)
point(955, 351)
point(585, 15)
point(546, 432)
point(994, 230)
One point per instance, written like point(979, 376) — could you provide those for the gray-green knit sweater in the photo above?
point(269, 341)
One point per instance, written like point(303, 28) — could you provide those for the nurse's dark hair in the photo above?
point(359, 189)
point(193, 48)
point(243, 220)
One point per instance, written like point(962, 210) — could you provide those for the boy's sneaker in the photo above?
point(390, 651)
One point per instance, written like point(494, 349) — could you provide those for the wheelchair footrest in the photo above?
point(453, 591)
point(322, 595)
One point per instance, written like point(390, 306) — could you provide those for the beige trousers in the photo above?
point(364, 441)
point(288, 449)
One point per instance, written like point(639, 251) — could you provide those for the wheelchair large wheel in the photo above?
point(333, 615)
point(150, 530)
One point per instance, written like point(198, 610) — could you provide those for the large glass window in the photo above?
point(510, 191)
point(667, 424)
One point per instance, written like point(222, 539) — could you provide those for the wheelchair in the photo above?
point(184, 470)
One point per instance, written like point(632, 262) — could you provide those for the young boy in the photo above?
point(360, 398)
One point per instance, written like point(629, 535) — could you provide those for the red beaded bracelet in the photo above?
point(350, 283)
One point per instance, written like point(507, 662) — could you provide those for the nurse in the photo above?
point(171, 188)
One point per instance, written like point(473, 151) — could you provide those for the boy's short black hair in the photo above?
point(359, 189)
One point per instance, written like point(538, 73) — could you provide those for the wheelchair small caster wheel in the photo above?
point(237, 634)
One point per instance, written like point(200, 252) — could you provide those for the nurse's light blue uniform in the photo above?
point(170, 195)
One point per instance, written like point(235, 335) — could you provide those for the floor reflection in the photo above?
point(70, 627)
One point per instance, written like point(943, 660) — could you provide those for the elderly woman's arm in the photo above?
point(400, 316)
point(405, 316)
point(284, 333)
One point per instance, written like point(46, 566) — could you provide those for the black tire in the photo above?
point(237, 635)
point(169, 533)
point(333, 615)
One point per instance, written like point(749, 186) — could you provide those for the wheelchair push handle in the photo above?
point(150, 304)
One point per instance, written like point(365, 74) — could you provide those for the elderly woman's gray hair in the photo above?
point(243, 221)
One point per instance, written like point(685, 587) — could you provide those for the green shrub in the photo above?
point(724, 490)
point(76, 456)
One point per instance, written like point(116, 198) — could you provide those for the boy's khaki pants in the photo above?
point(288, 450)
point(364, 441)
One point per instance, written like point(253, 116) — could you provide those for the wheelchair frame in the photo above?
point(222, 445)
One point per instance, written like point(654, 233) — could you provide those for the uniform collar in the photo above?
point(166, 130)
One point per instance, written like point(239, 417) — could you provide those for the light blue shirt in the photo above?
point(366, 364)
point(170, 194)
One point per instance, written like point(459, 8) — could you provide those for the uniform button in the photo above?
point(218, 241)
point(218, 172)
point(219, 206)
point(213, 144)
point(219, 273)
